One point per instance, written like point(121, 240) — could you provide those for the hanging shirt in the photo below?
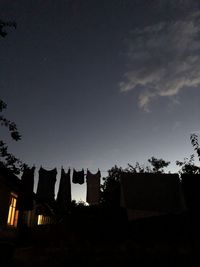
point(93, 187)
point(78, 177)
point(25, 197)
point(46, 185)
point(64, 192)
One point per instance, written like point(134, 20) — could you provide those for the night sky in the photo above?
point(94, 83)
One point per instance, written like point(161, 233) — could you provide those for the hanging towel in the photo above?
point(78, 177)
point(190, 186)
point(46, 185)
point(151, 192)
point(93, 187)
point(64, 192)
point(25, 197)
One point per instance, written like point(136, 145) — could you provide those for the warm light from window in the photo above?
point(13, 213)
point(40, 219)
point(43, 220)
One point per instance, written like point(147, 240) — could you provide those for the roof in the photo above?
point(9, 178)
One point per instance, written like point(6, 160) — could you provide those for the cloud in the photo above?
point(164, 59)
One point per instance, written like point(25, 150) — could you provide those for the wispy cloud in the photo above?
point(164, 59)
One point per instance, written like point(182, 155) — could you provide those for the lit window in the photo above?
point(43, 220)
point(13, 213)
point(40, 219)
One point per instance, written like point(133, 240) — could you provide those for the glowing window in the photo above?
point(40, 219)
point(13, 213)
point(43, 220)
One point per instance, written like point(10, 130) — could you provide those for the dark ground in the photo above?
point(108, 240)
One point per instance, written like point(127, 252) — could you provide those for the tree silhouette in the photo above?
point(138, 168)
point(4, 24)
point(188, 166)
point(110, 190)
point(195, 143)
point(7, 159)
point(158, 164)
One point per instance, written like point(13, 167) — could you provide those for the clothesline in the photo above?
point(60, 168)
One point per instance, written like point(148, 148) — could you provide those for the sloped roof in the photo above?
point(8, 178)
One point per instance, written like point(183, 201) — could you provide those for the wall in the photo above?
point(4, 202)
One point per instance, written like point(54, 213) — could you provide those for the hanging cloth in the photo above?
point(151, 192)
point(25, 197)
point(78, 177)
point(46, 185)
point(93, 187)
point(64, 192)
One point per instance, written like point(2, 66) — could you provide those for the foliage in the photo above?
point(158, 165)
point(188, 166)
point(10, 125)
point(195, 143)
point(137, 168)
point(110, 190)
point(4, 24)
point(7, 159)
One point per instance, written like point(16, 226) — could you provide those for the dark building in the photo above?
point(10, 189)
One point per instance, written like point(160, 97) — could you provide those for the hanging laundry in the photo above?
point(93, 187)
point(151, 192)
point(25, 197)
point(64, 192)
point(46, 185)
point(190, 186)
point(78, 177)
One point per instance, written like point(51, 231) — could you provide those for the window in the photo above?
point(43, 220)
point(40, 219)
point(13, 213)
